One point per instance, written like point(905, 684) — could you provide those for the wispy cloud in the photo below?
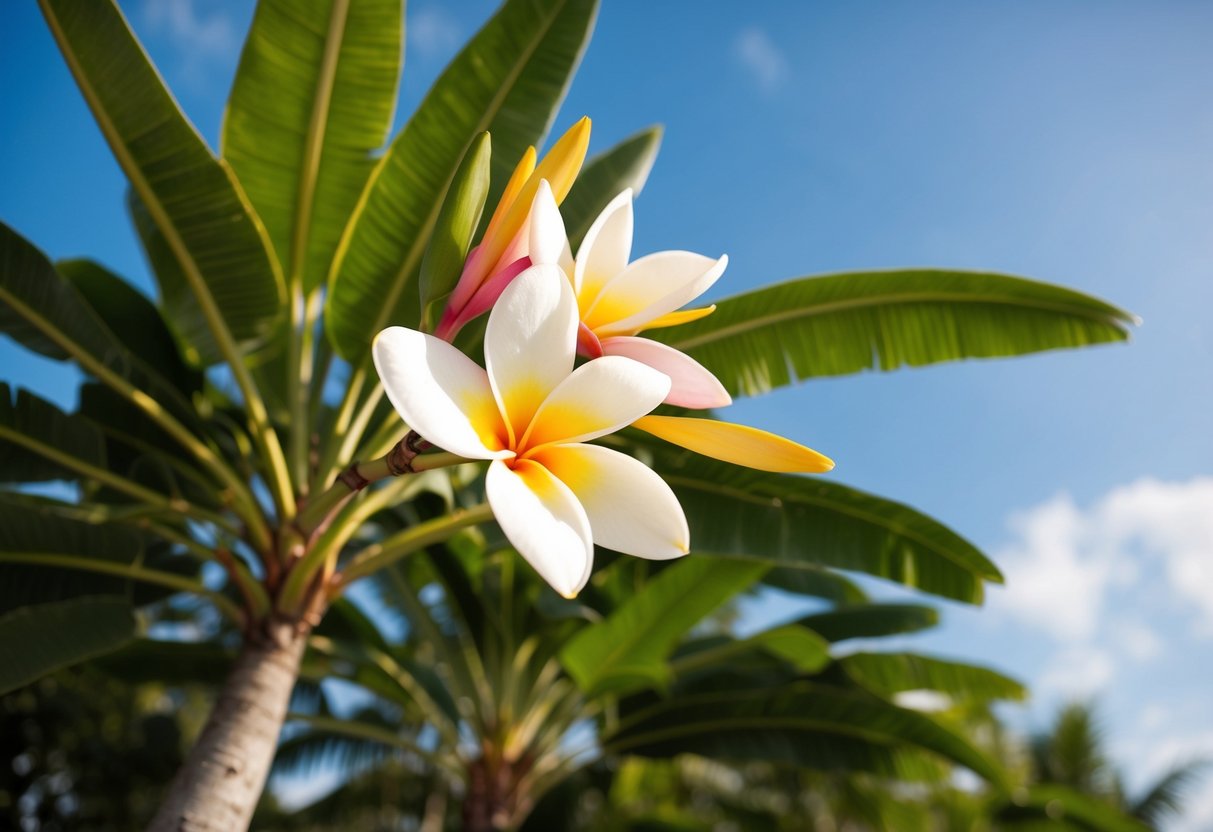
point(432, 32)
point(1150, 535)
point(202, 36)
point(760, 57)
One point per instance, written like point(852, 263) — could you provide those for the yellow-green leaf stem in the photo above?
point(379, 555)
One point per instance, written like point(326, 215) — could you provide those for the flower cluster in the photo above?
point(531, 410)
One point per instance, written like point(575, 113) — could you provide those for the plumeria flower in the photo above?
point(617, 299)
point(502, 253)
point(531, 413)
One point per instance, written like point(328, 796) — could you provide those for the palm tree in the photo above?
point(1073, 753)
point(214, 449)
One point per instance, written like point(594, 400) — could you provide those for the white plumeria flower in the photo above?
point(531, 413)
point(617, 299)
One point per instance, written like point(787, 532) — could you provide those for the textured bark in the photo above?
point(218, 787)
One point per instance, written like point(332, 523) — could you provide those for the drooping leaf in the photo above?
point(795, 522)
point(34, 525)
point(846, 323)
point(312, 100)
point(169, 662)
point(457, 221)
point(870, 621)
point(133, 319)
point(802, 724)
point(817, 583)
point(27, 424)
point(36, 640)
point(46, 313)
point(890, 673)
point(508, 80)
point(1057, 805)
point(630, 647)
point(626, 165)
point(804, 650)
point(232, 288)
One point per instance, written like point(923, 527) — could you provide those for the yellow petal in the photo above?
point(559, 167)
point(526, 166)
point(738, 444)
point(682, 316)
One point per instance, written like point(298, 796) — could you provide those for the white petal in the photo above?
point(605, 250)
point(651, 287)
point(530, 342)
point(548, 242)
point(544, 522)
point(440, 393)
point(601, 396)
point(631, 509)
point(693, 385)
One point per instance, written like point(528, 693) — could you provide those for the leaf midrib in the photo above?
point(907, 298)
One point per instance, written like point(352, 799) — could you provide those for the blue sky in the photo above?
point(1066, 141)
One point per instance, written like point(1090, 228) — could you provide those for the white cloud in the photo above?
point(1076, 673)
point(432, 32)
point(759, 55)
point(199, 35)
point(1065, 561)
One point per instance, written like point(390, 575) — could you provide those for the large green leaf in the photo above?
point(53, 551)
point(37, 640)
point(845, 323)
point(508, 80)
point(232, 287)
point(803, 724)
point(890, 673)
point(803, 649)
point(312, 100)
point(626, 165)
point(1062, 805)
point(630, 647)
point(35, 526)
point(798, 522)
point(28, 423)
point(45, 312)
point(870, 621)
point(132, 318)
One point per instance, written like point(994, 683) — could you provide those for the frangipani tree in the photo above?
point(216, 442)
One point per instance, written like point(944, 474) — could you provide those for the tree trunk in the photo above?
point(218, 787)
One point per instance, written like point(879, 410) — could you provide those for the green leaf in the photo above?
point(630, 647)
point(132, 318)
point(28, 423)
point(889, 673)
point(818, 583)
point(169, 662)
point(1061, 804)
point(803, 649)
point(802, 724)
point(508, 80)
point(40, 639)
point(457, 221)
point(232, 288)
point(46, 313)
point(605, 176)
point(798, 522)
point(36, 526)
point(312, 100)
point(870, 621)
point(845, 323)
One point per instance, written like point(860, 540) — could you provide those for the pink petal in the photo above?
point(693, 385)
